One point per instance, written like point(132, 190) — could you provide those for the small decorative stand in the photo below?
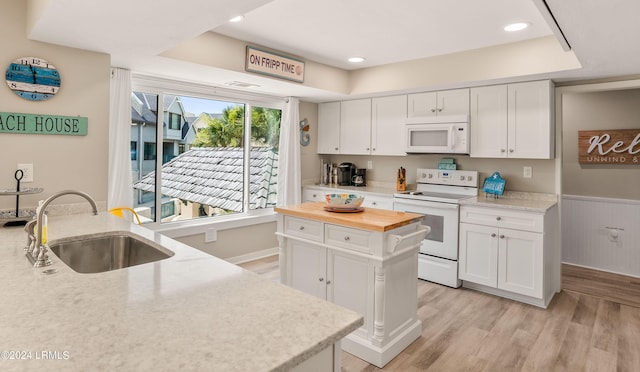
point(493, 186)
point(20, 218)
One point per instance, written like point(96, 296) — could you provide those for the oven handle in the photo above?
point(395, 241)
point(407, 207)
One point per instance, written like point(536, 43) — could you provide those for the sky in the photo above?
point(197, 106)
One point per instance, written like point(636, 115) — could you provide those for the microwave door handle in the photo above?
point(452, 138)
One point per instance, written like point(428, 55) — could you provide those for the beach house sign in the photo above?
point(620, 146)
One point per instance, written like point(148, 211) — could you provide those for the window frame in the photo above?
point(162, 87)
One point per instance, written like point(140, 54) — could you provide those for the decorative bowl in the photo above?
point(343, 201)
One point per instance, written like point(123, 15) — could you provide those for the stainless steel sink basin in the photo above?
point(107, 252)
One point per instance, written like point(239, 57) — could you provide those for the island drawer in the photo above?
point(345, 237)
point(303, 228)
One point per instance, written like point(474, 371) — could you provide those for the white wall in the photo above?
point(59, 162)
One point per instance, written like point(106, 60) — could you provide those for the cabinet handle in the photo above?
point(301, 228)
point(440, 110)
point(321, 279)
point(346, 238)
point(493, 235)
point(510, 150)
point(374, 203)
point(336, 149)
point(367, 149)
point(498, 218)
point(433, 110)
point(328, 282)
point(501, 236)
point(501, 150)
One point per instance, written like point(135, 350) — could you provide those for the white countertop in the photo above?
point(526, 201)
point(188, 312)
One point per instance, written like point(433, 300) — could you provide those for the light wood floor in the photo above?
point(464, 330)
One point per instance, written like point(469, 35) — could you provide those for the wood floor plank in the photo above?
point(583, 329)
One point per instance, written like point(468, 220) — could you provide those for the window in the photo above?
point(223, 163)
point(149, 151)
point(134, 150)
point(174, 120)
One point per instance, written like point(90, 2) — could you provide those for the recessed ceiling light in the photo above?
point(356, 59)
point(518, 26)
point(236, 19)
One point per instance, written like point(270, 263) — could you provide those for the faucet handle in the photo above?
point(31, 238)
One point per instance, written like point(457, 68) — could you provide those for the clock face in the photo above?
point(33, 78)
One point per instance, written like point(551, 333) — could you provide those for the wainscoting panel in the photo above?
point(601, 233)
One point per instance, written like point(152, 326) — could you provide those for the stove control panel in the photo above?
point(447, 177)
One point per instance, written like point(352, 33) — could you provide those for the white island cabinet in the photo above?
point(366, 262)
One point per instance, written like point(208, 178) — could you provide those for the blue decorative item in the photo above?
point(33, 78)
point(494, 185)
point(304, 132)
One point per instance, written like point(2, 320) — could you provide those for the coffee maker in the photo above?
point(359, 177)
point(345, 173)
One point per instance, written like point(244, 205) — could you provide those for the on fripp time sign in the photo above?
point(620, 146)
point(14, 122)
point(272, 64)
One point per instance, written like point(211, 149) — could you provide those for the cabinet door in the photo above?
point(422, 104)
point(380, 202)
point(488, 119)
point(351, 285)
point(453, 102)
point(355, 127)
point(329, 128)
point(520, 262)
point(306, 268)
point(387, 125)
point(478, 257)
point(530, 121)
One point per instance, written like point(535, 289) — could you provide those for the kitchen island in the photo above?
point(366, 262)
point(189, 312)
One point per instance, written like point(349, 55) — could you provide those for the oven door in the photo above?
point(442, 218)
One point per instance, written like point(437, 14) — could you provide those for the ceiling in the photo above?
point(603, 35)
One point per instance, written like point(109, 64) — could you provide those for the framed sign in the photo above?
point(616, 146)
point(275, 65)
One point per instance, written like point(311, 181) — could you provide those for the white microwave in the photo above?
point(438, 135)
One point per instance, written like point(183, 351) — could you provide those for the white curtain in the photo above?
point(120, 192)
point(289, 171)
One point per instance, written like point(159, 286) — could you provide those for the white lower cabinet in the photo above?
point(357, 269)
point(317, 193)
point(513, 263)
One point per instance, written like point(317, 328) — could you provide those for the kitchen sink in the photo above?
point(97, 254)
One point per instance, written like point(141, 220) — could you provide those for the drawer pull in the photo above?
point(301, 228)
point(498, 218)
point(501, 236)
point(328, 282)
point(346, 238)
point(321, 279)
point(493, 235)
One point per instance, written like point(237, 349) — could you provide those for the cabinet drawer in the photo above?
point(504, 218)
point(378, 202)
point(344, 237)
point(303, 228)
point(313, 195)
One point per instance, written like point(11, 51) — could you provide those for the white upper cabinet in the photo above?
point(387, 126)
point(355, 127)
point(530, 120)
point(329, 128)
point(488, 118)
point(512, 121)
point(446, 102)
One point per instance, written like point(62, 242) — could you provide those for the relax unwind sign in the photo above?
point(609, 146)
point(13, 122)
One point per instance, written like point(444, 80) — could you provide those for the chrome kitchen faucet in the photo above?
point(38, 254)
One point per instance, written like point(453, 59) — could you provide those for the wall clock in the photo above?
point(33, 78)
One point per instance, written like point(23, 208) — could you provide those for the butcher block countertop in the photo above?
point(370, 219)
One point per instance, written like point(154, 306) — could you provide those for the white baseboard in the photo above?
point(253, 256)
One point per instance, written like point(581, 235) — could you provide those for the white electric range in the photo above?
point(437, 196)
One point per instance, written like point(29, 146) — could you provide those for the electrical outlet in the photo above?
point(211, 235)
point(27, 172)
point(370, 164)
point(527, 172)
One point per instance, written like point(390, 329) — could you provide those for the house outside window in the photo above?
point(224, 162)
